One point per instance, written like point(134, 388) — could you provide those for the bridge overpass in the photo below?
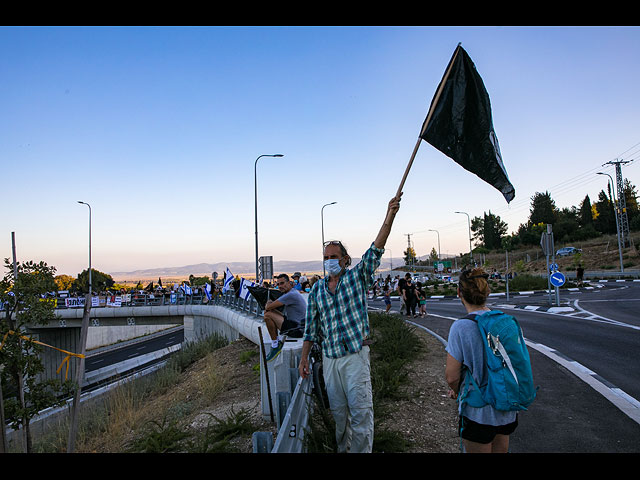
point(284, 396)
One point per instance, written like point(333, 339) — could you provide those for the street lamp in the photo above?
point(470, 247)
point(322, 223)
point(83, 347)
point(255, 182)
point(438, 241)
point(85, 203)
point(615, 211)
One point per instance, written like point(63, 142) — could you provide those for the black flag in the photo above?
point(459, 124)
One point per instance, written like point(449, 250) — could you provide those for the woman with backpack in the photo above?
point(482, 429)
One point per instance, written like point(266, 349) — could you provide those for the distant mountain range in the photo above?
point(201, 269)
point(308, 267)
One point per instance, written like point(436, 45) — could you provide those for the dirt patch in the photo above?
point(428, 417)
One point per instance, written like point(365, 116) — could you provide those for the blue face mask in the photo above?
point(332, 266)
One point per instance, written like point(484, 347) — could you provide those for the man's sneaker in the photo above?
point(275, 351)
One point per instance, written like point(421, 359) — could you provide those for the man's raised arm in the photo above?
point(385, 230)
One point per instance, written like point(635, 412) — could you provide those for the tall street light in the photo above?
point(85, 203)
point(83, 347)
point(469, 222)
point(322, 223)
point(615, 211)
point(438, 242)
point(255, 182)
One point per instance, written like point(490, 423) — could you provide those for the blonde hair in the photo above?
point(473, 286)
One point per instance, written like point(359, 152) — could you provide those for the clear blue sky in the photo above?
point(159, 128)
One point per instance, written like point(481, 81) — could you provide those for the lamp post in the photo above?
point(85, 203)
point(83, 347)
point(322, 223)
point(470, 247)
point(615, 211)
point(255, 183)
point(438, 241)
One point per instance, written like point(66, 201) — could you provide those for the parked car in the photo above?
point(566, 251)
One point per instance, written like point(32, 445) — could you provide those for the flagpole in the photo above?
point(429, 115)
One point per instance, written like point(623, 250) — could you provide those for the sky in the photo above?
point(159, 129)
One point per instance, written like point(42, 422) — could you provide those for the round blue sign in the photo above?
point(557, 279)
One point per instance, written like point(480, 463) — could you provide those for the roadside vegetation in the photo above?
point(395, 346)
point(154, 413)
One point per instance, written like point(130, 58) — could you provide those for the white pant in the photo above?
point(348, 383)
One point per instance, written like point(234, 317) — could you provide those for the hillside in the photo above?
point(598, 254)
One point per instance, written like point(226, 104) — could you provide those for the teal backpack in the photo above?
point(509, 377)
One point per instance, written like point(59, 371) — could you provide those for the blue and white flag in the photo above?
point(228, 278)
point(186, 289)
point(244, 291)
point(207, 290)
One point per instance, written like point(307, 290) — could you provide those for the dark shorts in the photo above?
point(291, 328)
point(479, 433)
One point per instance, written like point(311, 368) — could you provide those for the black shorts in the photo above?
point(479, 433)
point(291, 328)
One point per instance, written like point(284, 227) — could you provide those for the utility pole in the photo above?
point(409, 250)
point(621, 208)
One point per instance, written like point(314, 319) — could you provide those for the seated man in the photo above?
point(292, 318)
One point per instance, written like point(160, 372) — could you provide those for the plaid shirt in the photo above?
point(342, 317)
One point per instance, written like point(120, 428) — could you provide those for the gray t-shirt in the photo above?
point(465, 344)
point(295, 306)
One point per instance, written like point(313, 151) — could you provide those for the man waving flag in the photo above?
point(460, 124)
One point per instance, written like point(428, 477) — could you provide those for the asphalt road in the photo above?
point(584, 361)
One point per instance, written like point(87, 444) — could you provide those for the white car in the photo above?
point(566, 251)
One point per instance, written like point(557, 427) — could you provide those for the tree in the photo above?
point(605, 221)
point(543, 209)
point(489, 230)
point(433, 256)
point(64, 282)
point(631, 200)
point(23, 296)
point(409, 256)
point(100, 282)
point(585, 214)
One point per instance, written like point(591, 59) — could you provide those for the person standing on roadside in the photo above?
point(410, 297)
point(337, 312)
point(483, 429)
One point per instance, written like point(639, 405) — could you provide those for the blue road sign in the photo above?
point(553, 267)
point(557, 279)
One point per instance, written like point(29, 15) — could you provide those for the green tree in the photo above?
point(489, 230)
point(23, 297)
point(433, 256)
point(543, 209)
point(605, 221)
point(100, 282)
point(631, 200)
point(585, 215)
point(409, 256)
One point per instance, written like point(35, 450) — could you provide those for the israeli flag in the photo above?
point(186, 289)
point(228, 278)
point(207, 290)
point(244, 291)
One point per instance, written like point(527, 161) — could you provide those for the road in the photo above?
point(584, 360)
point(121, 352)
